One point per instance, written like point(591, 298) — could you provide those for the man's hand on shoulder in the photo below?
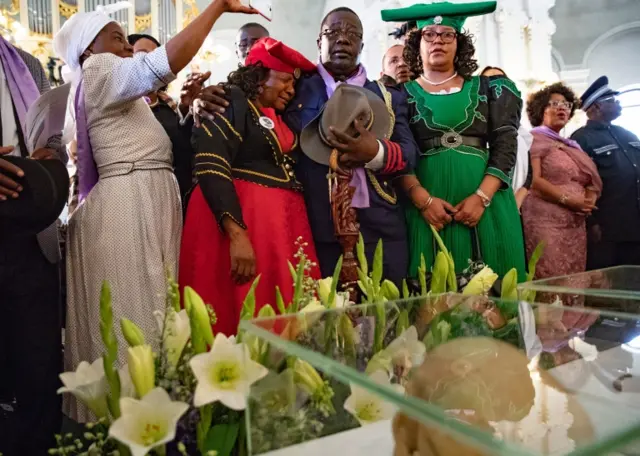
point(209, 102)
point(9, 188)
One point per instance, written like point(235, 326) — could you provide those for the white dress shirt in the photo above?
point(9, 127)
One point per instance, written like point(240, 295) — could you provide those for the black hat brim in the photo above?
point(44, 195)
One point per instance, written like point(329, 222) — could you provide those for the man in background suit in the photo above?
point(30, 341)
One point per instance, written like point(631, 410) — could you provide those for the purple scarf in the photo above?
point(24, 91)
point(87, 169)
point(359, 180)
point(580, 158)
point(555, 135)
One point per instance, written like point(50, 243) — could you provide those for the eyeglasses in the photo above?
point(333, 34)
point(556, 104)
point(447, 37)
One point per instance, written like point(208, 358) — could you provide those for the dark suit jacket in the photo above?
point(384, 219)
point(48, 239)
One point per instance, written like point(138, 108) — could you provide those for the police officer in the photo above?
point(614, 229)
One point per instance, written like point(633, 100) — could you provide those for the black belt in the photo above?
point(451, 140)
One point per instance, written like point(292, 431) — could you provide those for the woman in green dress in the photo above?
point(466, 127)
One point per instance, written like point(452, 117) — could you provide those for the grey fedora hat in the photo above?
point(347, 104)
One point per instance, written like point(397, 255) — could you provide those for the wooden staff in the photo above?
point(345, 223)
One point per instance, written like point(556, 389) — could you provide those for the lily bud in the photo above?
point(142, 368)
point(481, 283)
point(440, 274)
point(390, 290)
point(198, 315)
point(267, 312)
point(132, 333)
point(324, 289)
point(306, 377)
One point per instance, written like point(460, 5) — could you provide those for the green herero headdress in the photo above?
point(442, 13)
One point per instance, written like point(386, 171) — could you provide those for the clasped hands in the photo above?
point(439, 213)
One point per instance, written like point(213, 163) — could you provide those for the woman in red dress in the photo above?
point(247, 212)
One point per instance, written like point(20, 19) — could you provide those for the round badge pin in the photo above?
point(437, 20)
point(266, 123)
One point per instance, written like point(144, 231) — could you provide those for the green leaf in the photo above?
point(405, 290)
point(334, 281)
point(533, 261)
point(376, 273)
point(362, 258)
point(222, 438)
point(298, 289)
point(280, 301)
point(380, 327)
point(111, 350)
point(510, 285)
point(249, 304)
point(292, 270)
point(422, 275)
point(403, 322)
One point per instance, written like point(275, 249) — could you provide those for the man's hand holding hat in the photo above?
point(8, 186)
point(355, 150)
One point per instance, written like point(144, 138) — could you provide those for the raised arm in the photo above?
point(121, 80)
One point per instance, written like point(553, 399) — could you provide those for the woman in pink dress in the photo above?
point(565, 186)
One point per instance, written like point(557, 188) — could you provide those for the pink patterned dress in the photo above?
point(563, 231)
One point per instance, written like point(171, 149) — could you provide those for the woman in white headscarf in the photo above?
point(127, 228)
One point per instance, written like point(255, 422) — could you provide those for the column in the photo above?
point(24, 14)
point(155, 18)
point(55, 16)
point(131, 23)
point(179, 15)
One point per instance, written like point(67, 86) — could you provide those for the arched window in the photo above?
point(630, 101)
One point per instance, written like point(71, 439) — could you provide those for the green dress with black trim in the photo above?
point(487, 109)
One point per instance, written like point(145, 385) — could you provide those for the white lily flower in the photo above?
point(148, 423)
point(225, 374)
point(407, 348)
point(588, 351)
point(176, 334)
point(89, 385)
point(367, 407)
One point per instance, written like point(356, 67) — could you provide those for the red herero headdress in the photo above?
point(273, 54)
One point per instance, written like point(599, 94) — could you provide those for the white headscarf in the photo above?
point(74, 37)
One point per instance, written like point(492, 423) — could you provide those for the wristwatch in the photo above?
point(486, 201)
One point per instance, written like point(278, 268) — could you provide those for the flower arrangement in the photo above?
point(186, 391)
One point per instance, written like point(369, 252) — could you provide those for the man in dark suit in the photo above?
point(340, 45)
point(30, 342)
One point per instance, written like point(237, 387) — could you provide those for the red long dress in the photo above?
point(275, 218)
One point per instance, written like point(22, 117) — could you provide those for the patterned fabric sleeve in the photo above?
point(41, 80)
point(216, 144)
point(122, 80)
point(505, 107)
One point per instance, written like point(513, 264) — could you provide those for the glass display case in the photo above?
point(616, 289)
point(445, 375)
